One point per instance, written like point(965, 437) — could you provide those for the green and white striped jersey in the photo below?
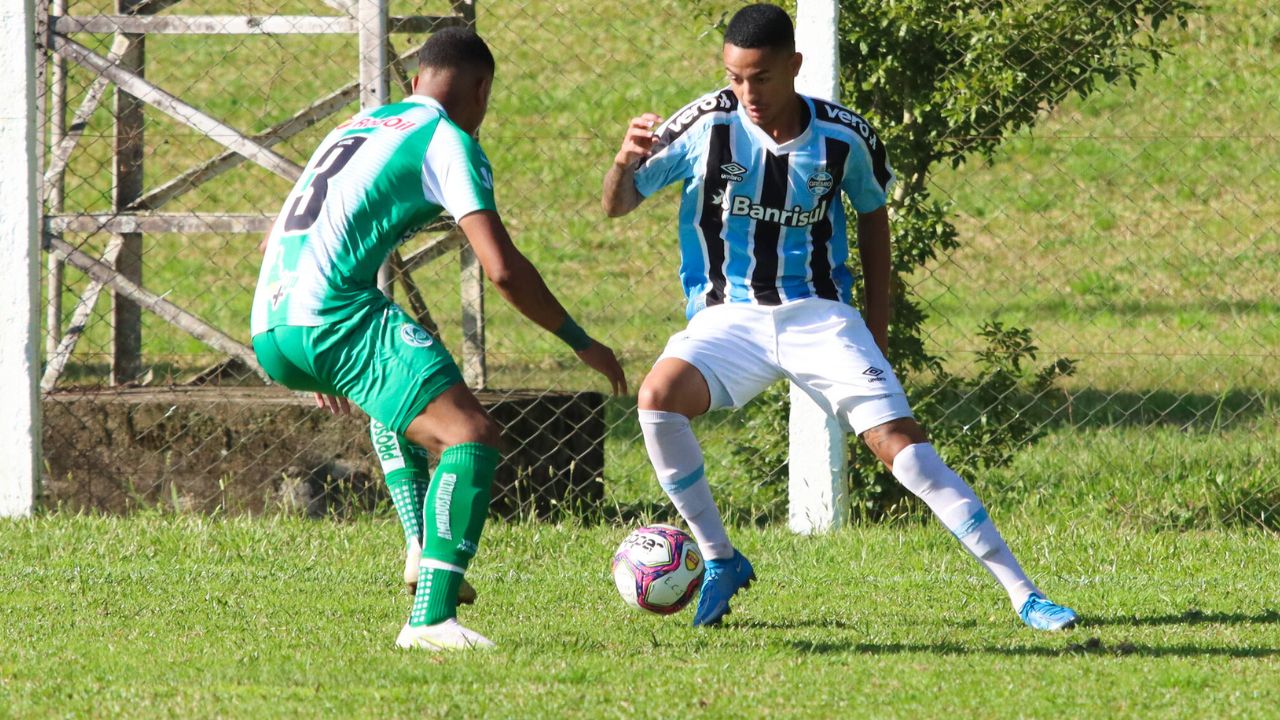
point(375, 178)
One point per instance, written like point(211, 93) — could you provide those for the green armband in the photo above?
point(575, 336)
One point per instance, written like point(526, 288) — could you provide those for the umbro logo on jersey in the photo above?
point(732, 171)
point(875, 373)
point(414, 336)
point(820, 183)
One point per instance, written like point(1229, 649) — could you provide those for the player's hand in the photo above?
point(639, 141)
point(334, 404)
point(601, 359)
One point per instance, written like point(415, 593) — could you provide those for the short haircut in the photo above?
point(456, 48)
point(761, 26)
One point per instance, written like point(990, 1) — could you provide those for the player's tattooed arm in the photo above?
point(620, 195)
point(873, 249)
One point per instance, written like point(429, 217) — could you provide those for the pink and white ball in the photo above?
point(658, 569)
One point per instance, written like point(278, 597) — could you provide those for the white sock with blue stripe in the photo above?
point(677, 460)
point(921, 471)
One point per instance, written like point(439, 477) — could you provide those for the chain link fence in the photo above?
point(1135, 232)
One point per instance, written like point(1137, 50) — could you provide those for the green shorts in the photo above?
point(378, 358)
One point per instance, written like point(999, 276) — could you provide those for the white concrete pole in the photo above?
point(818, 463)
point(19, 263)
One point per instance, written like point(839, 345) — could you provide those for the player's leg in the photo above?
point(465, 438)
point(685, 383)
point(830, 353)
point(402, 377)
point(673, 393)
point(902, 446)
point(407, 474)
point(406, 469)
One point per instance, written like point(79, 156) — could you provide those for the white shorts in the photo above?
point(822, 346)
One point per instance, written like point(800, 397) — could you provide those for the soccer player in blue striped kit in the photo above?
point(764, 254)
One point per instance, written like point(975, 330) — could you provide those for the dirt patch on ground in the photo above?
point(261, 450)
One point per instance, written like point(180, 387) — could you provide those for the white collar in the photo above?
point(773, 145)
point(428, 101)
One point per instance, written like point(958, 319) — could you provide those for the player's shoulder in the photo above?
point(838, 120)
point(716, 105)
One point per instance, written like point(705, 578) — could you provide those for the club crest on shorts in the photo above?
point(820, 182)
point(414, 336)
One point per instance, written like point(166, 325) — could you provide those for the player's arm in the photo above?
point(620, 195)
point(521, 284)
point(873, 248)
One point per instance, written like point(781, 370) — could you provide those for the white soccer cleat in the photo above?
point(413, 556)
point(447, 635)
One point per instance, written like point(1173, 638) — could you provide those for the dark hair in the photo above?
point(456, 48)
point(761, 26)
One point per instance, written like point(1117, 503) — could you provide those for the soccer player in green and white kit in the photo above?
point(321, 325)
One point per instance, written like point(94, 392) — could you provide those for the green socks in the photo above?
point(406, 470)
point(437, 598)
point(456, 507)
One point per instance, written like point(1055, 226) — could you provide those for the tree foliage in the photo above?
point(944, 81)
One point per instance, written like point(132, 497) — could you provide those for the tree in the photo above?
point(944, 81)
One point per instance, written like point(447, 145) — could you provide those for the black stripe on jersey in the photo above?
point(764, 248)
point(711, 218)
point(843, 116)
point(836, 153)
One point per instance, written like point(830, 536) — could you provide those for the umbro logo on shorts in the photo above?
point(414, 336)
point(732, 171)
point(875, 373)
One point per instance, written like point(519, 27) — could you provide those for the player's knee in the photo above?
point(483, 430)
point(656, 396)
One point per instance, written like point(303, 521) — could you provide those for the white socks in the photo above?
point(921, 471)
point(677, 460)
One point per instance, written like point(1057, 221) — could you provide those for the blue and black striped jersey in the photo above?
point(762, 222)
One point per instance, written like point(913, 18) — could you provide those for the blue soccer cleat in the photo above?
point(722, 580)
point(1043, 614)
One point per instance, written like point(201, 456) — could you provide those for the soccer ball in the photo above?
point(658, 569)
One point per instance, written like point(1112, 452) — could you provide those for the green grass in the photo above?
point(188, 617)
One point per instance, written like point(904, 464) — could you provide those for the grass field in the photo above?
point(189, 617)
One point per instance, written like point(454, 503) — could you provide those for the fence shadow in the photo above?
point(1189, 617)
point(1092, 646)
point(1092, 408)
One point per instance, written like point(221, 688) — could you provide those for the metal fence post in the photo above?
point(126, 316)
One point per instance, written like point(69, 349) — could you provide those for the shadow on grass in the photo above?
point(1094, 408)
point(1190, 617)
point(795, 624)
point(1090, 647)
